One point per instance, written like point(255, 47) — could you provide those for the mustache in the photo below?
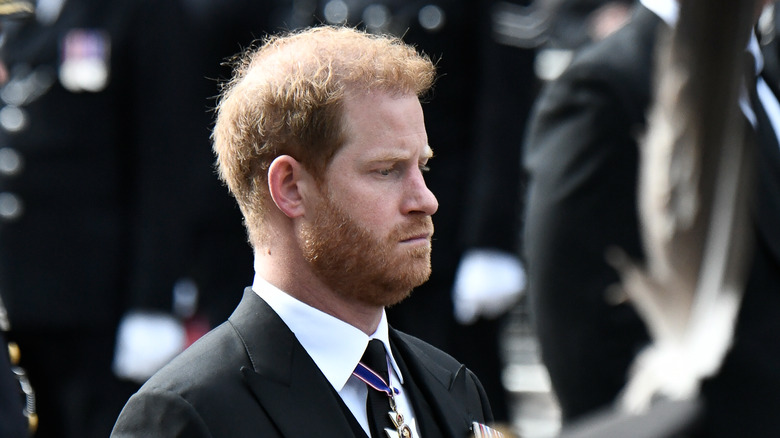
point(415, 228)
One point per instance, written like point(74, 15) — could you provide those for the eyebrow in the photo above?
point(394, 156)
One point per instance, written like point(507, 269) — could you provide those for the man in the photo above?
point(582, 158)
point(320, 137)
point(483, 96)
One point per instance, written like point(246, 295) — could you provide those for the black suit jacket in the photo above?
point(582, 159)
point(251, 376)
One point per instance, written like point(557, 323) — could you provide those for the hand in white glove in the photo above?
point(487, 283)
point(145, 342)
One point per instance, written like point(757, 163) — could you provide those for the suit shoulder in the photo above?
point(435, 354)
point(611, 78)
point(202, 391)
point(625, 57)
point(213, 361)
point(461, 382)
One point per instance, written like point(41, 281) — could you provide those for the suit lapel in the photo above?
point(283, 378)
point(446, 388)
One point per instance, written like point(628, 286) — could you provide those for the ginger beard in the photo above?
point(360, 265)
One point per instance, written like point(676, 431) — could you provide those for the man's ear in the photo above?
point(286, 179)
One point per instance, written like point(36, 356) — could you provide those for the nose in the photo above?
point(419, 198)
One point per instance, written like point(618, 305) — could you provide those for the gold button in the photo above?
point(14, 353)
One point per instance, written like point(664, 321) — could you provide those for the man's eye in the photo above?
point(385, 172)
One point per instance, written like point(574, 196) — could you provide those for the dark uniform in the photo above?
point(13, 423)
point(14, 412)
point(94, 192)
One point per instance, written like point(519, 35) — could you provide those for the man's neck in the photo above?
point(298, 281)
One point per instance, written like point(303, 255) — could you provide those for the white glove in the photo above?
point(145, 342)
point(487, 283)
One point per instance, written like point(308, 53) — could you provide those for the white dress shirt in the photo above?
point(336, 348)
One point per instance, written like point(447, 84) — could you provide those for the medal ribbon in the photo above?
point(374, 380)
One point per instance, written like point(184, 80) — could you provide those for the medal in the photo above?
point(482, 431)
point(375, 381)
point(402, 429)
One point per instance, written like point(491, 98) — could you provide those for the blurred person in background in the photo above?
point(582, 159)
point(96, 191)
point(15, 419)
point(569, 25)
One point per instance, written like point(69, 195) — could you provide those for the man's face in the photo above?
point(369, 238)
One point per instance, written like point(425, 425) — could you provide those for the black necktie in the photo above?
point(378, 402)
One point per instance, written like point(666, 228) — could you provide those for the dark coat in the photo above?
point(250, 376)
point(104, 181)
point(99, 186)
point(582, 158)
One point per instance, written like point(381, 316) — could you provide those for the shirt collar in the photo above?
point(335, 346)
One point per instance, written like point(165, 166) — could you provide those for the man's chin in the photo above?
point(396, 299)
point(409, 282)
